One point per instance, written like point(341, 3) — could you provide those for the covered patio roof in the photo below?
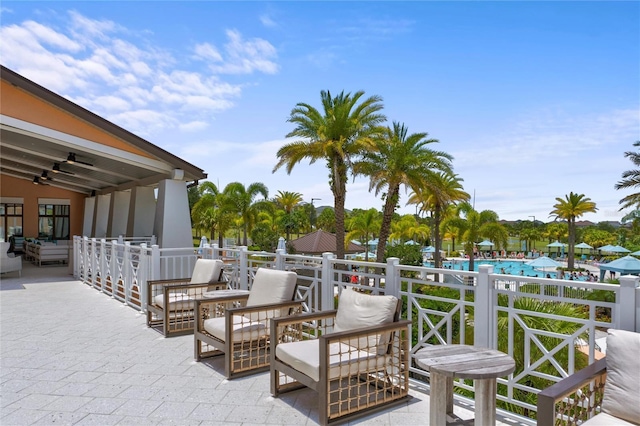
point(31, 150)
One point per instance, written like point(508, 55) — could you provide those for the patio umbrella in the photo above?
point(619, 249)
point(543, 262)
point(429, 249)
point(485, 243)
point(583, 246)
point(606, 248)
point(635, 253)
point(557, 244)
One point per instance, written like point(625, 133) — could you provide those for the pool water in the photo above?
point(510, 267)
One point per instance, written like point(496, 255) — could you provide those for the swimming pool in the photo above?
point(510, 267)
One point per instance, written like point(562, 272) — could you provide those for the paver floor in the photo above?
point(71, 355)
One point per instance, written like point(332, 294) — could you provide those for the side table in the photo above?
point(446, 362)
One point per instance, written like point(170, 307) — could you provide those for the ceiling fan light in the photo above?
point(71, 158)
point(36, 180)
point(56, 168)
point(44, 175)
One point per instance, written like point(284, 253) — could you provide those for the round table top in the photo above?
point(465, 361)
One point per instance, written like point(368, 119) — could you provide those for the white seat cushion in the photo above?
point(604, 419)
point(622, 386)
point(243, 329)
point(359, 310)
point(304, 356)
point(177, 301)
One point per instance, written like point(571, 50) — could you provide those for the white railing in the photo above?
point(538, 321)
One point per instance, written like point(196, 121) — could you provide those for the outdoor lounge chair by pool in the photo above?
point(355, 358)
point(9, 262)
point(238, 325)
point(171, 303)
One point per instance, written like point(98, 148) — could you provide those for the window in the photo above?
point(10, 220)
point(53, 222)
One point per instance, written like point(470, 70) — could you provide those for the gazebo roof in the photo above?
point(321, 242)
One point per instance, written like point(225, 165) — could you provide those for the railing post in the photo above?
point(93, 262)
point(155, 263)
point(76, 256)
point(627, 318)
point(85, 261)
point(143, 276)
point(113, 268)
point(326, 285)
point(392, 279)
point(280, 259)
point(103, 263)
point(243, 273)
point(216, 253)
point(127, 272)
point(483, 324)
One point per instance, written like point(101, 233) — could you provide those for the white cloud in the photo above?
point(115, 72)
point(267, 21)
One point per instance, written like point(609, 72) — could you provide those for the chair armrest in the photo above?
point(305, 326)
point(580, 406)
point(244, 310)
point(179, 285)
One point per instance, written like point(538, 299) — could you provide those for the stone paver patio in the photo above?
point(70, 354)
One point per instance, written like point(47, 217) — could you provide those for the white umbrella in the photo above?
point(543, 262)
point(282, 244)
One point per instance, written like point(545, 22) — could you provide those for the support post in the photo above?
point(482, 316)
point(392, 278)
point(628, 305)
point(243, 273)
point(326, 288)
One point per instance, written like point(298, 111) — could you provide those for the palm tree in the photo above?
point(473, 224)
point(631, 179)
point(205, 211)
point(439, 192)
point(572, 207)
point(337, 134)
point(395, 159)
point(288, 201)
point(364, 226)
point(243, 200)
point(407, 228)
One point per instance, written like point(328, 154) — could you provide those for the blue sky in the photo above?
point(533, 99)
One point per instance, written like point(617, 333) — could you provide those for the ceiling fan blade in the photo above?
point(71, 159)
point(57, 169)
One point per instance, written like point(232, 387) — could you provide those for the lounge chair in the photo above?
point(8, 261)
point(355, 358)
point(171, 303)
point(606, 392)
point(237, 326)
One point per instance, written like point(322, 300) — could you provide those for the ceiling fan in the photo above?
point(37, 180)
point(56, 169)
point(71, 159)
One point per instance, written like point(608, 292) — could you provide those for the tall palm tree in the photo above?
point(364, 226)
point(288, 201)
point(243, 198)
point(395, 159)
point(472, 224)
point(631, 179)
point(572, 207)
point(439, 192)
point(205, 211)
point(337, 134)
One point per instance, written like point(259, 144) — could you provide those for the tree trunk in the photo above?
point(339, 188)
point(572, 243)
point(385, 227)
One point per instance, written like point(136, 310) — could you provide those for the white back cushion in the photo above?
point(207, 271)
point(622, 386)
point(357, 310)
point(272, 286)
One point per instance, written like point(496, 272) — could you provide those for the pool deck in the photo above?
point(71, 355)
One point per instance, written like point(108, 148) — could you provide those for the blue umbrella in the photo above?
point(543, 262)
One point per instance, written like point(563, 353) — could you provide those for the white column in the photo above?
point(101, 216)
point(172, 225)
point(118, 214)
point(142, 212)
point(87, 223)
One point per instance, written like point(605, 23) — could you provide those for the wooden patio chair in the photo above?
point(237, 326)
point(171, 303)
point(355, 358)
point(606, 392)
